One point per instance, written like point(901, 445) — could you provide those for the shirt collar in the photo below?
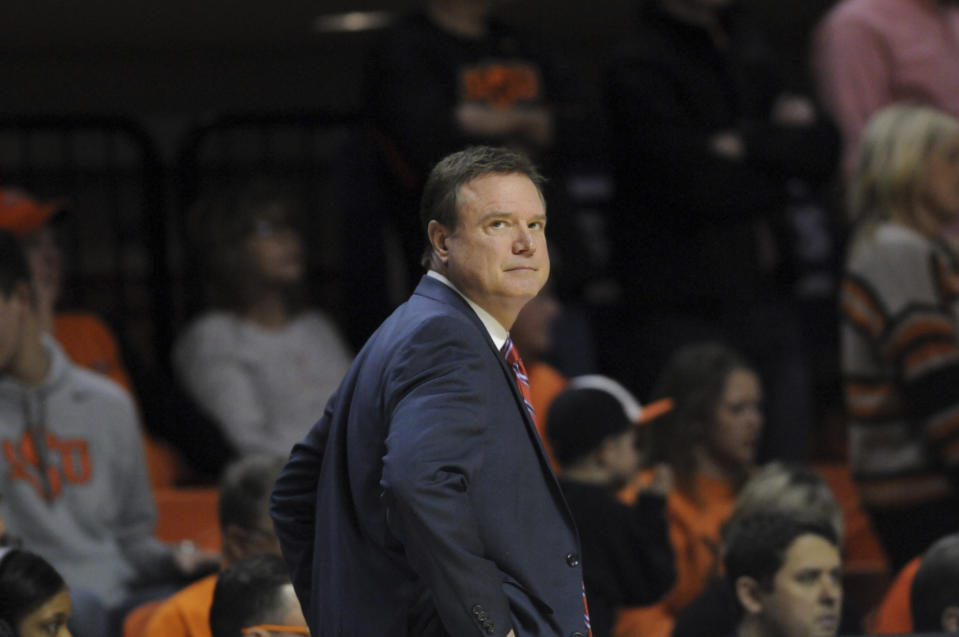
point(496, 331)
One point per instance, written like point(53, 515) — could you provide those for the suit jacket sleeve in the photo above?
point(293, 506)
point(439, 434)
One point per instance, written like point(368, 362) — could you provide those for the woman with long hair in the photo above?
point(899, 318)
point(710, 440)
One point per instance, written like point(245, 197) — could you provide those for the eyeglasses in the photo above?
point(275, 628)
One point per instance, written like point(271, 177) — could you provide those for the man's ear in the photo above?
point(748, 594)
point(950, 619)
point(438, 235)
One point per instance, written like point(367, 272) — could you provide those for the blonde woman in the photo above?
point(899, 317)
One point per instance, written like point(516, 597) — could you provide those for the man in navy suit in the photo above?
point(422, 502)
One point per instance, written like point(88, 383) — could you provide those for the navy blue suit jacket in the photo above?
point(422, 502)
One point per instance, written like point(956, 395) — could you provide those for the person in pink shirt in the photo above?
point(868, 54)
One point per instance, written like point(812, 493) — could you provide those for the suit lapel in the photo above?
point(439, 291)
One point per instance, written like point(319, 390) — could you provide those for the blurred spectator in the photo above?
point(73, 476)
point(711, 149)
point(34, 600)
point(84, 337)
point(900, 347)
point(247, 530)
point(796, 492)
point(453, 75)
point(709, 439)
point(254, 597)
point(261, 362)
point(627, 558)
point(785, 575)
point(934, 600)
point(532, 334)
point(868, 54)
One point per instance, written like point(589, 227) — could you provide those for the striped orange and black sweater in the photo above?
point(899, 307)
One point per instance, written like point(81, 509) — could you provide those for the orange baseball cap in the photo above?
point(21, 214)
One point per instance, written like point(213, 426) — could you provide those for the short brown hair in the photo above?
point(440, 200)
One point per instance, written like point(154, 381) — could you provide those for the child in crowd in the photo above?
point(627, 558)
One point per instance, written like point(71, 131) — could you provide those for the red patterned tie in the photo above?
point(519, 371)
point(522, 382)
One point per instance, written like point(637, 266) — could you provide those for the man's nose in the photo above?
point(831, 591)
point(524, 241)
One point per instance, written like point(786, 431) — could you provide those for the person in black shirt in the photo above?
point(627, 556)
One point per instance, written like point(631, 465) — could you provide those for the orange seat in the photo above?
point(188, 514)
point(136, 620)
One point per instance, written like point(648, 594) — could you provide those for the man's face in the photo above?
point(496, 255)
point(806, 596)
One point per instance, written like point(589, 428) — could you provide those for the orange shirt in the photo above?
point(89, 343)
point(545, 383)
point(694, 527)
point(185, 614)
point(894, 615)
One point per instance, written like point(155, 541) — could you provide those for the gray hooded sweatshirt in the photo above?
point(74, 482)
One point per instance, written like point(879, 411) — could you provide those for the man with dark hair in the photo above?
point(246, 529)
point(934, 598)
point(254, 597)
point(627, 557)
point(72, 468)
point(785, 575)
point(422, 503)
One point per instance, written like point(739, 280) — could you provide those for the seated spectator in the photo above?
point(709, 439)
point(84, 337)
point(254, 597)
point(247, 530)
point(260, 362)
point(34, 600)
point(71, 470)
point(900, 345)
point(785, 575)
point(934, 599)
point(627, 558)
point(791, 491)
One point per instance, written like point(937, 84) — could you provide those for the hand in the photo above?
point(728, 145)
point(662, 482)
point(793, 110)
point(191, 560)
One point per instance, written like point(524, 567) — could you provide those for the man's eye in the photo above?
point(499, 223)
point(807, 577)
